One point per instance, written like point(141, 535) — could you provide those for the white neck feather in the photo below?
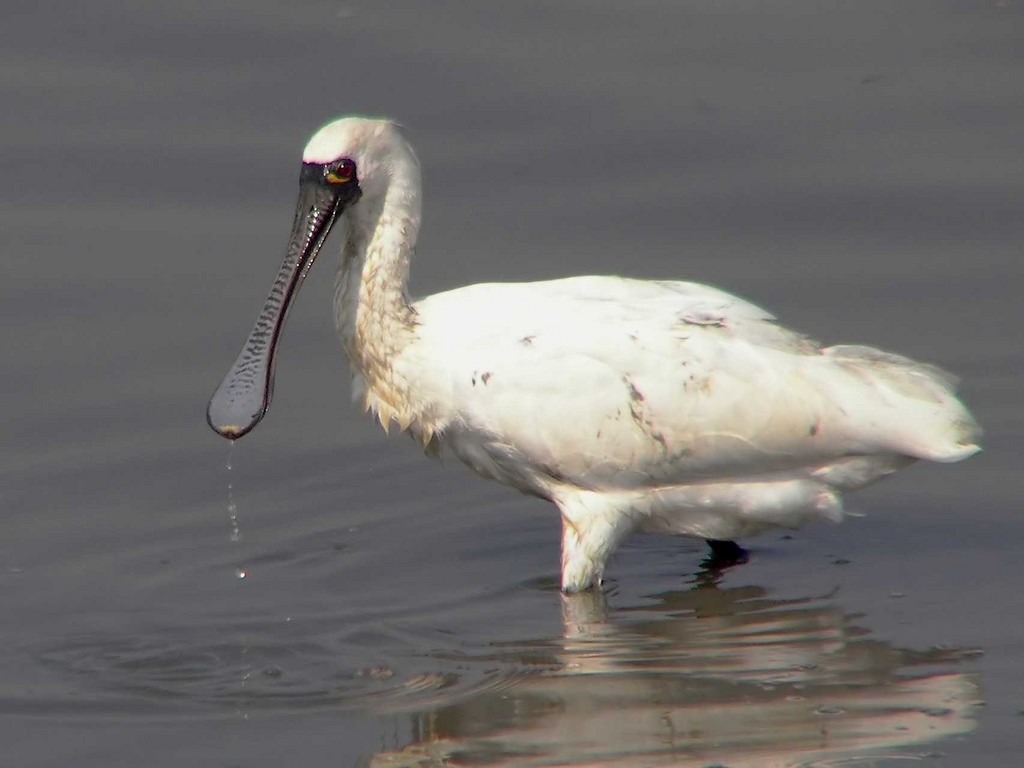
point(375, 318)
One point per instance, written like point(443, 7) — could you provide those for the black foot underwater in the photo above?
point(725, 553)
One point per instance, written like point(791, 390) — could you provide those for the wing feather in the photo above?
point(615, 383)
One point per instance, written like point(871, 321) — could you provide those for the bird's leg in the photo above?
point(725, 552)
point(591, 530)
point(579, 570)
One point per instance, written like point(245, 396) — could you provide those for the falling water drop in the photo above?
point(236, 533)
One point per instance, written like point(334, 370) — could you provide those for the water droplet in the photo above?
point(241, 574)
point(236, 533)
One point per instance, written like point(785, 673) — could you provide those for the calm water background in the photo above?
point(858, 168)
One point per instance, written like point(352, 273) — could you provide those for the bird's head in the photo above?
point(355, 153)
point(349, 165)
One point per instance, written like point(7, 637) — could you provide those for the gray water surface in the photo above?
point(335, 598)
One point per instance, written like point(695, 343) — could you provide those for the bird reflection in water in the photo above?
point(706, 676)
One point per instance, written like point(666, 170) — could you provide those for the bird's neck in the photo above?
point(375, 318)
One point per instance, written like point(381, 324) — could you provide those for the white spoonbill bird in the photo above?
point(631, 404)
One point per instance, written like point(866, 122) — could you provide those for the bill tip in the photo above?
point(230, 431)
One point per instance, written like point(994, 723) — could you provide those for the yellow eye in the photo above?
point(334, 178)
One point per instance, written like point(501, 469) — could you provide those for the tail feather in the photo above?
point(922, 415)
